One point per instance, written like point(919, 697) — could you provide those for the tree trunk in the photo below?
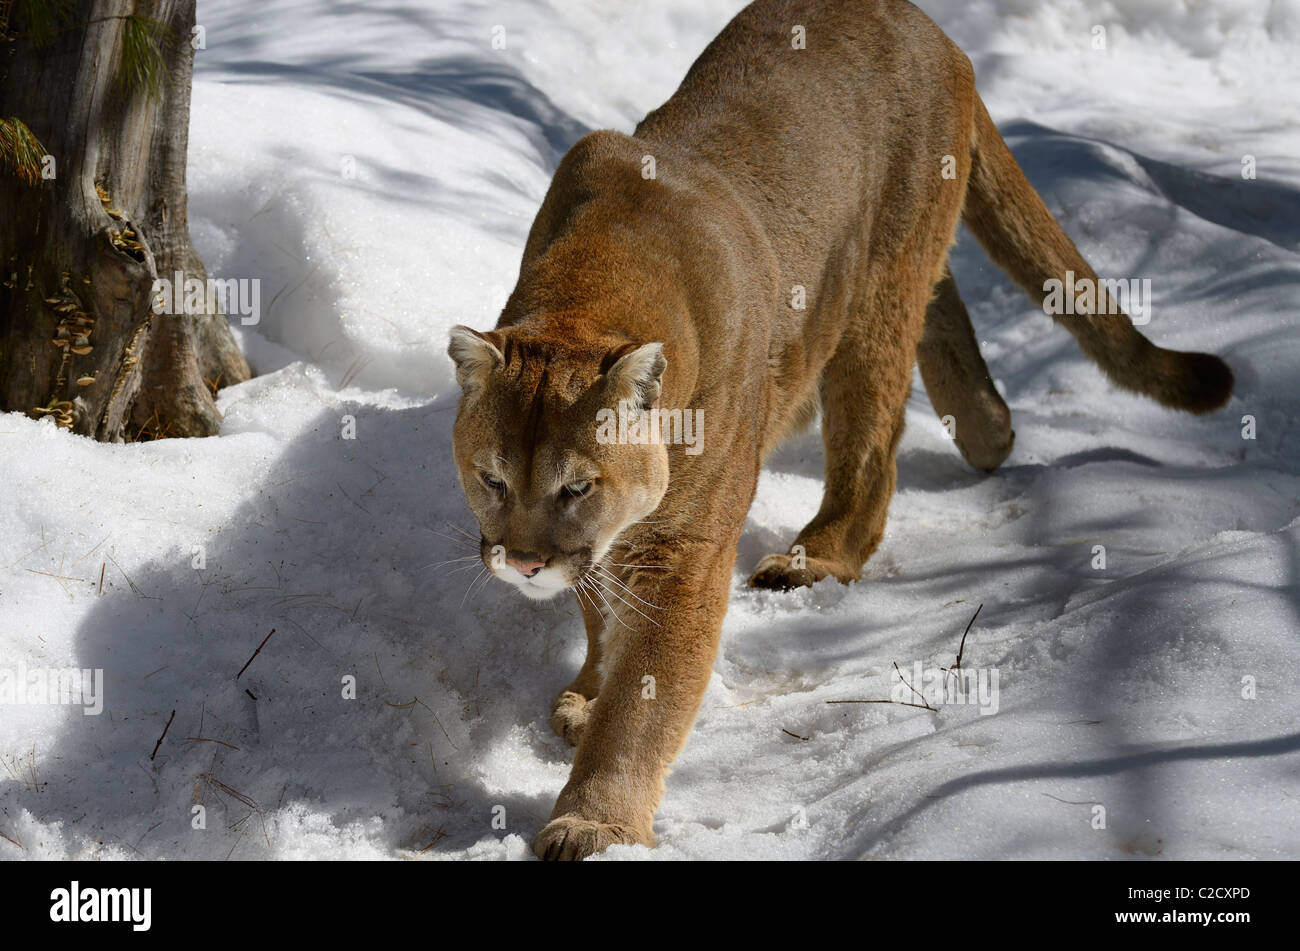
point(79, 253)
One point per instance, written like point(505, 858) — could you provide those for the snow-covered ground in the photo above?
point(376, 166)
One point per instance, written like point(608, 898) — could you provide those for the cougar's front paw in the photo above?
point(778, 573)
point(569, 715)
point(571, 838)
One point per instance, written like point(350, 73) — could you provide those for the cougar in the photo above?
point(770, 242)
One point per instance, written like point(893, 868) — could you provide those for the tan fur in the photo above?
point(775, 167)
point(958, 381)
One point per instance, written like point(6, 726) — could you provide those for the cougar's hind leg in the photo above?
point(958, 381)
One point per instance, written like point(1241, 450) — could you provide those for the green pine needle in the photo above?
point(39, 19)
point(144, 60)
point(20, 151)
point(145, 41)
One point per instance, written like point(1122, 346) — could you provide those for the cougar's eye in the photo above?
point(576, 490)
point(492, 482)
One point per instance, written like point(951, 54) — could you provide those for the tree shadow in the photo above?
point(1129, 765)
point(1134, 620)
point(1260, 207)
point(338, 549)
point(471, 93)
point(347, 549)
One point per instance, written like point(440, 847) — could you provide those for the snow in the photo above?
point(377, 166)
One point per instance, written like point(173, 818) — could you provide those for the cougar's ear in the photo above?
point(635, 373)
point(475, 355)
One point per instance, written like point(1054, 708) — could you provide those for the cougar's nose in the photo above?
point(527, 565)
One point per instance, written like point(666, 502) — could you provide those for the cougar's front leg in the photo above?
point(864, 390)
point(658, 657)
point(575, 703)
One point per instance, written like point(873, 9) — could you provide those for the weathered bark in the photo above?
point(80, 252)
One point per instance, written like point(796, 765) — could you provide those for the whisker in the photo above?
point(585, 585)
point(615, 594)
point(617, 564)
point(614, 614)
point(453, 539)
point(450, 561)
point(475, 561)
point(578, 590)
point(486, 581)
point(618, 581)
point(454, 527)
point(471, 585)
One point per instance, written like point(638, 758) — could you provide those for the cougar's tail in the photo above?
point(1021, 236)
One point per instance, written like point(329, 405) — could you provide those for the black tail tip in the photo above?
point(1195, 382)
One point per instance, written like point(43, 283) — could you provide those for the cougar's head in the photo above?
point(539, 456)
